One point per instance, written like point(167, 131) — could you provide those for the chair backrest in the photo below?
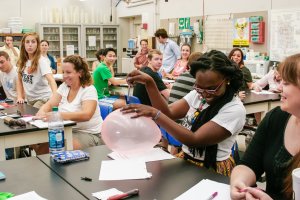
point(132, 100)
point(171, 140)
point(105, 109)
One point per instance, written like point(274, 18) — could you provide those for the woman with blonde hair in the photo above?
point(35, 80)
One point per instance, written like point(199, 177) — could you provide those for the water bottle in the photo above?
point(56, 132)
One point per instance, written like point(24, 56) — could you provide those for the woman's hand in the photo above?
point(20, 100)
point(256, 194)
point(242, 95)
point(257, 88)
point(137, 76)
point(237, 191)
point(140, 110)
point(42, 115)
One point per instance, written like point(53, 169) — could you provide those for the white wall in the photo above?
point(190, 8)
point(31, 10)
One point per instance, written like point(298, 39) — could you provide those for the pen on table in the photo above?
point(86, 178)
point(124, 195)
point(212, 196)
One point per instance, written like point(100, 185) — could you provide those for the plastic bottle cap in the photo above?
point(55, 109)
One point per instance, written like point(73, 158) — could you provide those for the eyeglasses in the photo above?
point(201, 91)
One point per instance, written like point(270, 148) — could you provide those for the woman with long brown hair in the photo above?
point(275, 144)
point(35, 80)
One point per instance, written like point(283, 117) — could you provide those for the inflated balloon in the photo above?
point(129, 136)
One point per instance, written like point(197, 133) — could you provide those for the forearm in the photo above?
point(53, 85)
point(243, 174)
point(20, 89)
point(79, 116)
point(157, 100)
point(179, 132)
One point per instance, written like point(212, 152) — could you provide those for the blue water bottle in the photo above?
point(56, 132)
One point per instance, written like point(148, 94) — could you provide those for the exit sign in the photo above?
point(184, 23)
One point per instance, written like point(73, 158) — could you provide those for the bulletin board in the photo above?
point(284, 33)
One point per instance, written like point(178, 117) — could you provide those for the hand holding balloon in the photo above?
point(127, 135)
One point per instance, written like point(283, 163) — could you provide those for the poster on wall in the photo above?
point(241, 32)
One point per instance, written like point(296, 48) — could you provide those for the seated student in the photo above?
point(8, 76)
point(155, 63)
point(272, 79)
point(276, 141)
point(181, 64)
point(184, 82)
point(100, 57)
point(213, 114)
point(77, 100)
point(102, 77)
point(140, 59)
point(237, 56)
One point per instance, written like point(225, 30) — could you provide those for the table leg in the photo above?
point(2, 149)
point(69, 138)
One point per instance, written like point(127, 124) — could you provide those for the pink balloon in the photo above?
point(129, 136)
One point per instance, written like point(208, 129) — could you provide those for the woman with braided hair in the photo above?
point(213, 114)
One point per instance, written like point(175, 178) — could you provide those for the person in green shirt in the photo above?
point(103, 77)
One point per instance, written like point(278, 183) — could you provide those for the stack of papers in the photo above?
point(153, 155)
point(28, 196)
point(40, 123)
point(103, 195)
point(204, 189)
point(262, 92)
point(123, 170)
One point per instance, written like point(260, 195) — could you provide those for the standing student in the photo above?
point(8, 76)
point(51, 60)
point(170, 50)
point(213, 114)
point(35, 78)
point(77, 100)
point(140, 59)
point(181, 65)
point(155, 62)
point(12, 51)
point(276, 141)
point(237, 56)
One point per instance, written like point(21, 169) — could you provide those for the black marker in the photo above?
point(86, 178)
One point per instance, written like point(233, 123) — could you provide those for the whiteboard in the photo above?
point(284, 33)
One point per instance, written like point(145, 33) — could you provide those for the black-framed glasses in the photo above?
point(201, 91)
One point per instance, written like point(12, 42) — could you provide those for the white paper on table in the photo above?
point(28, 196)
point(92, 41)
point(262, 92)
point(204, 189)
point(105, 194)
point(168, 81)
point(40, 123)
point(123, 170)
point(153, 155)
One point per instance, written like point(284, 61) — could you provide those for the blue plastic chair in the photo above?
point(105, 109)
point(132, 100)
point(172, 141)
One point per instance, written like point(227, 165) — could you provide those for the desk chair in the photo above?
point(105, 109)
point(132, 100)
point(172, 141)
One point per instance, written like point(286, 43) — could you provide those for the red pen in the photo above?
point(212, 196)
point(124, 195)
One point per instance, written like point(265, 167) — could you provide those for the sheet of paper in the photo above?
point(70, 49)
point(204, 189)
point(92, 41)
point(153, 155)
point(123, 170)
point(103, 195)
point(262, 92)
point(28, 196)
point(40, 123)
